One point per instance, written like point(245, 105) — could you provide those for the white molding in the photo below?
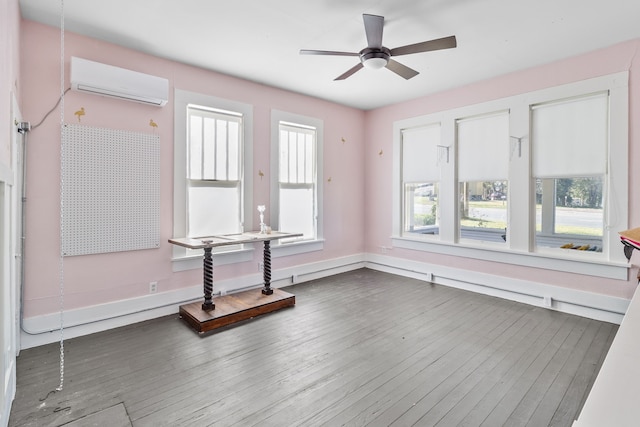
point(571, 301)
point(40, 330)
point(10, 392)
point(296, 247)
point(6, 174)
point(588, 263)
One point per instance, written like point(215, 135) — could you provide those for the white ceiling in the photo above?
point(259, 40)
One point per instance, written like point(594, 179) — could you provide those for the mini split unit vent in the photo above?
point(107, 80)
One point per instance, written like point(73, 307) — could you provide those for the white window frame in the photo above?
point(427, 155)
point(459, 152)
point(184, 259)
point(285, 248)
point(591, 147)
point(520, 248)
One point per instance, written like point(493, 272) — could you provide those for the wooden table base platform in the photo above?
point(234, 308)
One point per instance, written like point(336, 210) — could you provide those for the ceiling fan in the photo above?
point(376, 56)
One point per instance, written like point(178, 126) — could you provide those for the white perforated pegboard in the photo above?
point(111, 190)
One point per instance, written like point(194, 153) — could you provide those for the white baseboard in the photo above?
point(581, 303)
point(9, 394)
point(40, 330)
point(45, 329)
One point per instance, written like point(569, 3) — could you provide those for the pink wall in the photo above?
point(95, 279)
point(360, 169)
point(378, 169)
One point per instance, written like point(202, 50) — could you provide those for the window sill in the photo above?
point(588, 263)
point(193, 262)
point(296, 247)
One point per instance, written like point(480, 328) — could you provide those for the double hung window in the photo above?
point(212, 165)
point(570, 145)
point(538, 179)
point(420, 179)
point(296, 179)
point(296, 169)
point(483, 169)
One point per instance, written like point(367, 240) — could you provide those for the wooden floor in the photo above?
point(360, 348)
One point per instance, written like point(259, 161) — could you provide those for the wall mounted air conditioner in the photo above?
point(107, 80)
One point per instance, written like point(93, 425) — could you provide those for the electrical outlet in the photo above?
point(261, 266)
point(547, 301)
point(294, 278)
point(430, 277)
point(153, 287)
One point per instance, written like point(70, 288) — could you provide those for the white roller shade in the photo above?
point(570, 137)
point(483, 148)
point(420, 154)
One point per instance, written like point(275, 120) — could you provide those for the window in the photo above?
point(536, 173)
point(214, 191)
point(420, 180)
point(296, 181)
point(483, 168)
point(570, 144)
point(212, 163)
point(296, 171)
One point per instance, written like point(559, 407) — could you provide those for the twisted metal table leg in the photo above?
point(267, 268)
point(207, 283)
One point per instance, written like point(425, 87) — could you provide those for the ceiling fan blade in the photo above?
point(437, 44)
point(350, 71)
point(373, 27)
point(326, 52)
point(401, 70)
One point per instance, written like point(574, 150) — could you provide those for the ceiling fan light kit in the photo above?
point(376, 56)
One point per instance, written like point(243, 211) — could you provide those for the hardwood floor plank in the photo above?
point(431, 376)
point(371, 405)
point(434, 405)
point(337, 336)
point(404, 345)
point(499, 400)
point(535, 381)
point(546, 393)
point(314, 358)
point(521, 352)
point(572, 400)
point(358, 348)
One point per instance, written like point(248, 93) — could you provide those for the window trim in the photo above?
point(285, 248)
point(181, 257)
point(521, 250)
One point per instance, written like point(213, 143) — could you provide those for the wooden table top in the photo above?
point(230, 239)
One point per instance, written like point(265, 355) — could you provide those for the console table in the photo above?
point(234, 307)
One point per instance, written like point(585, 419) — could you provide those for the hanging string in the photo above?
point(62, 164)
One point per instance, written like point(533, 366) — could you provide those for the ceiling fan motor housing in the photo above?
point(375, 57)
